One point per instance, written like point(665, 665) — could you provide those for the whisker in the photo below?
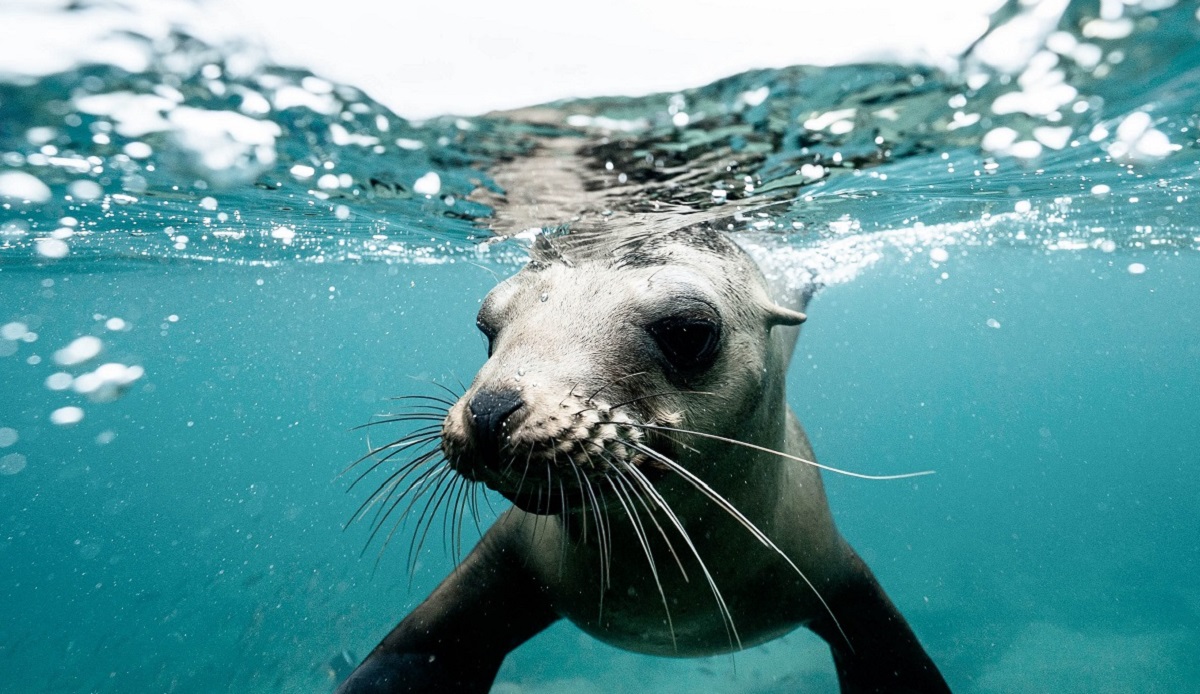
point(373, 450)
point(400, 446)
point(601, 531)
point(424, 402)
point(392, 482)
point(722, 606)
point(445, 483)
point(640, 532)
point(394, 419)
point(613, 383)
point(419, 484)
point(813, 463)
point(565, 515)
point(433, 500)
point(737, 515)
point(450, 392)
point(659, 395)
point(430, 398)
point(661, 531)
point(568, 395)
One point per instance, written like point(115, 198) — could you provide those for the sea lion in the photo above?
point(632, 408)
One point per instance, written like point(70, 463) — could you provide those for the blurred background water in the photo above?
point(213, 267)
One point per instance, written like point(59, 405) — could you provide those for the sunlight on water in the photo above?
point(212, 267)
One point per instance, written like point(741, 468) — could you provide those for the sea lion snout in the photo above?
point(489, 409)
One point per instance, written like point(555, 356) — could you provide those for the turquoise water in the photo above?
point(1023, 322)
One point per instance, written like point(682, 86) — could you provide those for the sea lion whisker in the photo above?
point(601, 530)
point(380, 521)
point(422, 403)
point(737, 515)
point(390, 484)
point(386, 506)
point(411, 412)
point(407, 417)
point(415, 403)
point(606, 524)
point(568, 395)
point(583, 503)
point(387, 487)
point(565, 514)
point(399, 448)
point(421, 457)
point(528, 460)
point(617, 468)
point(762, 449)
point(550, 464)
point(402, 473)
point(432, 430)
point(431, 398)
point(613, 382)
point(454, 396)
point(424, 523)
point(449, 518)
point(459, 507)
point(585, 486)
point(420, 485)
point(722, 606)
point(471, 503)
point(640, 532)
point(590, 493)
point(445, 484)
point(474, 501)
point(659, 395)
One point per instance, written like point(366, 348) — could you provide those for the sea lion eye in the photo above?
point(689, 344)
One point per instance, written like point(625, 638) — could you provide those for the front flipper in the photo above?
point(454, 641)
point(878, 653)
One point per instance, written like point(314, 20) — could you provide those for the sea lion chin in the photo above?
point(633, 405)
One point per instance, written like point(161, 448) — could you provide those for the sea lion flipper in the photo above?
point(874, 649)
point(455, 641)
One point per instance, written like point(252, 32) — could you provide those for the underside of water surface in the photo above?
point(214, 268)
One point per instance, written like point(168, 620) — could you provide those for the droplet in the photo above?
point(12, 463)
point(52, 248)
point(80, 350)
point(67, 415)
point(429, 184)
point(13, 331)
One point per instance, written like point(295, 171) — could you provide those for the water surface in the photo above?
point(1010, 272)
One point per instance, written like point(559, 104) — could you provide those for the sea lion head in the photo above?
point(600, 343)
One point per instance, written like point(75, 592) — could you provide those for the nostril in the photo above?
point(489, 409)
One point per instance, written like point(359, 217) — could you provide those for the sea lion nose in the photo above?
point(489, 408)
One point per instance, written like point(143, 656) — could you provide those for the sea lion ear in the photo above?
point(778, 315)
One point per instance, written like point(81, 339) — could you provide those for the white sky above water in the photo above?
point(472, 56)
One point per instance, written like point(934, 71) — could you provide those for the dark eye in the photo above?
point(689, 344)
point(488, 331)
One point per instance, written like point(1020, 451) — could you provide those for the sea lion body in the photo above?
point(631, 407)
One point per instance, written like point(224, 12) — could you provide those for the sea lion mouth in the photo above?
point(545, 481)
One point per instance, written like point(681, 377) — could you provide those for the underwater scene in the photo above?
point(214, 270)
